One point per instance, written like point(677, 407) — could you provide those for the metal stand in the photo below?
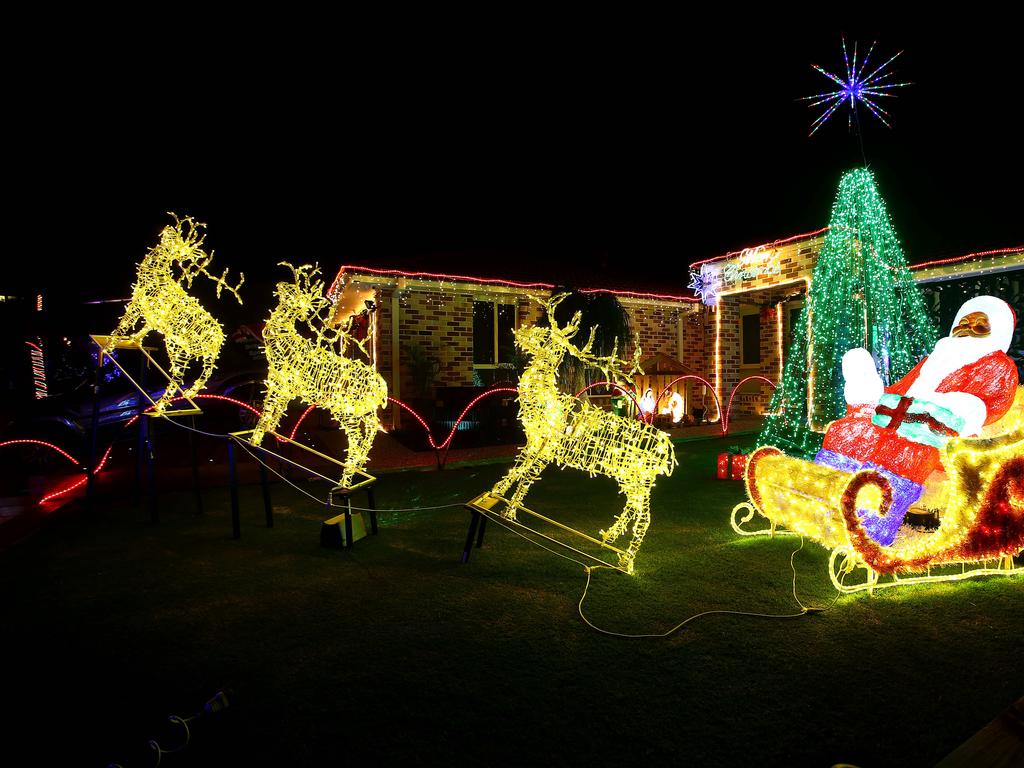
point(477, 526)
point(483, 507)
point(154, 512)
point(236, 522)
point(140, 447)
point(268, 508)
point(90, 478)
point(330, 535)
point(147, 421)
point(196, 488)
point(123, 343)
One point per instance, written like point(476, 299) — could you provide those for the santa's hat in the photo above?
point(1001, 318)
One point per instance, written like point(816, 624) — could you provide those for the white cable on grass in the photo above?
point(804, 611)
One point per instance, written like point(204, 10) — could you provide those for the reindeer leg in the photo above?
point(529, 474)
point(179, 362)
point(368, 426)
point(618, 527)
point(360, 434)
point(140, 334)
point(209, 362)
point(131, 317)
point(638, 507)
point(274, 405)
point(513, 476)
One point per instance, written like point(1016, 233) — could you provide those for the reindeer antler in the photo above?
point(190, 257)
point(222, 284)
point(611, 365)
point(314, 290)
point(348, 337)
point(570, 330)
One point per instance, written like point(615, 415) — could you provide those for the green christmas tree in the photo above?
point(862, 295)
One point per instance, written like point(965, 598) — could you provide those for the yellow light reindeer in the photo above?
point(309, 369)
point(159, 300)
point(574, 433)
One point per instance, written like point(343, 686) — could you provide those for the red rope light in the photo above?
point(640, 295)
point(763, 245)
point(106, 454)
point(939, 262)
point(103, 461)
point(298, 423)
point(225, 398)
point(45, 444)
point(496, 281)
point(447, 441)
point(465, 410)
point(438, 276)
point(728, 409)
point(62, 491)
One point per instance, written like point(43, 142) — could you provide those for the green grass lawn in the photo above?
point(395, 653)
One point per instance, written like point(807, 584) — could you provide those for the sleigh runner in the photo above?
point(980, 503)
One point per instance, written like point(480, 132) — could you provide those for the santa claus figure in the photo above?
point(967, 382)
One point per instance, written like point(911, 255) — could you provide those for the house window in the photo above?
point(750, 336)
point(493, 339)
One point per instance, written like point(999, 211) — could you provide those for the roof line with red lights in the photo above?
point(783, 241)
point(498, 281)
point(398, 273)
point(978, 254)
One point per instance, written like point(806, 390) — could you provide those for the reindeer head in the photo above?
point(541, 342)
point(304, 296)
point(553, 342)
point(304, 300)
point(180, 243)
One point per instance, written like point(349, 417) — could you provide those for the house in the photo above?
point(465, 323)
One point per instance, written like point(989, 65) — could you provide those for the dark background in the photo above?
point(596, 151)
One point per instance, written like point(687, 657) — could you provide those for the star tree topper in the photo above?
point(857, 87)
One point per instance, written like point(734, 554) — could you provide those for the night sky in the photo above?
point(610, 157)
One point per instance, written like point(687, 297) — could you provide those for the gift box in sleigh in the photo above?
point(979, 500)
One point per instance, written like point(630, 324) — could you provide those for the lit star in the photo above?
point(857, 87)
point(705, 283)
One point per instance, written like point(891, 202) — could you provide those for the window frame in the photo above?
point(495, 303)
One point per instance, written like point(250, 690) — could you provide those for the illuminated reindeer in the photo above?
point(161, 303)
point(574, 433)
point(311, 370)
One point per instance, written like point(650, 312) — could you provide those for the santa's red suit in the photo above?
point(968, 381)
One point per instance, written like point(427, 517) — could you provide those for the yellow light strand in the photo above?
point(805, 499)
point(160, 302)
point(309, 369)
point(573, 433)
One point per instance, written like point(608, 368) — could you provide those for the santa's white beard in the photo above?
point(949, 356)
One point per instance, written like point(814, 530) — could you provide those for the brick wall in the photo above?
point(528, 311)
point(656, 328)
point(796, 261)
point(728, 325)
point(442, 324)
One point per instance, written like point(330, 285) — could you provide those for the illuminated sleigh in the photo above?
point(980, 503)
